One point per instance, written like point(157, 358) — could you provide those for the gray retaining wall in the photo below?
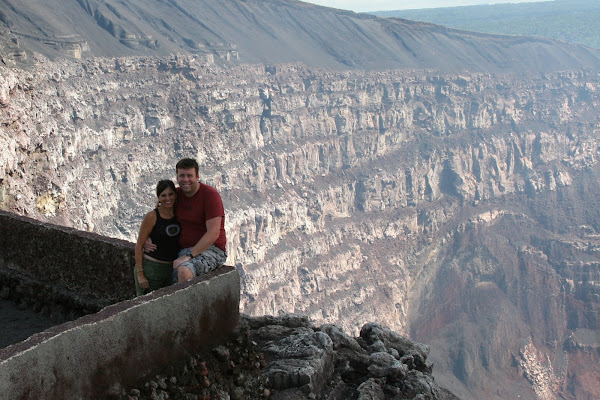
point(97, 354)
point(119, 339)
point(62, 269)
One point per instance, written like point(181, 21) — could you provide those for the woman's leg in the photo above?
point(157, 274)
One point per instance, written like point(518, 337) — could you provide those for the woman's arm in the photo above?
point(145, 229)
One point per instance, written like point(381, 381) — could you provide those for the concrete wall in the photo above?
point(119, 339)
point(62, 269)
point(85, 358)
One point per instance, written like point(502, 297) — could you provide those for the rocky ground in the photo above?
point(287, 357)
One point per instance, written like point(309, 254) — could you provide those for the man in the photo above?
point(202, 217)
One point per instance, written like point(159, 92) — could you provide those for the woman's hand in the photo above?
point(142, 280)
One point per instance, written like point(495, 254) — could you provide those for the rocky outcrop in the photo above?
point(287, 357)
point(430, 203)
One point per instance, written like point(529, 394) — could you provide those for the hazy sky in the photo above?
point(380, 5)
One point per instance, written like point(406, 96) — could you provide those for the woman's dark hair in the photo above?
point(162, 185)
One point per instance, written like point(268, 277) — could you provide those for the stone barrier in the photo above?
point(63, 266)
point(96, 355)
point(111, 339)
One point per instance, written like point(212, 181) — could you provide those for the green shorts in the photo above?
point(157, 274)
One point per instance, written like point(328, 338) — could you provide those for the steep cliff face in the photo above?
point(458, 209)
point(519, 279)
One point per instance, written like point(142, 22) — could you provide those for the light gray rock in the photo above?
point(304, 361)
point(370, 390)
point(385, 365)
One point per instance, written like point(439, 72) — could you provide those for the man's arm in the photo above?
point(213, 229)
point(149, 247)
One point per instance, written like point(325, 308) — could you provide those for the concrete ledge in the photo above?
point(94, 355)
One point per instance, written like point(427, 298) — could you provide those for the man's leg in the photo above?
point(184, 273)
point(209, 260)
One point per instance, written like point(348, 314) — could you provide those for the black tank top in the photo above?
point(165, 234)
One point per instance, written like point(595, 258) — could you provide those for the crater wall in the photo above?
point(350, 196)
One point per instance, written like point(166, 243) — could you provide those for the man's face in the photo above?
point(188, 180)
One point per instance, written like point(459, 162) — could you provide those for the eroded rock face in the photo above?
point(429, 203)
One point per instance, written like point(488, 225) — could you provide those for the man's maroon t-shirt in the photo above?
point(193, 212)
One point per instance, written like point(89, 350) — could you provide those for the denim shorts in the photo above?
point(209, 260)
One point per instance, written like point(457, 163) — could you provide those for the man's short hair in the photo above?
point(187, 163)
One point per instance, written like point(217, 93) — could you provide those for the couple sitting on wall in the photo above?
point(184, 235)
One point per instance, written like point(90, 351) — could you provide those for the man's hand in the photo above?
point(149, 246)
point(180, 260)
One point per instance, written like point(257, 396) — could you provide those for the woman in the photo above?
point(153, 269)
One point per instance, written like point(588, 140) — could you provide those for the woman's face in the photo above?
point(167, 197)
